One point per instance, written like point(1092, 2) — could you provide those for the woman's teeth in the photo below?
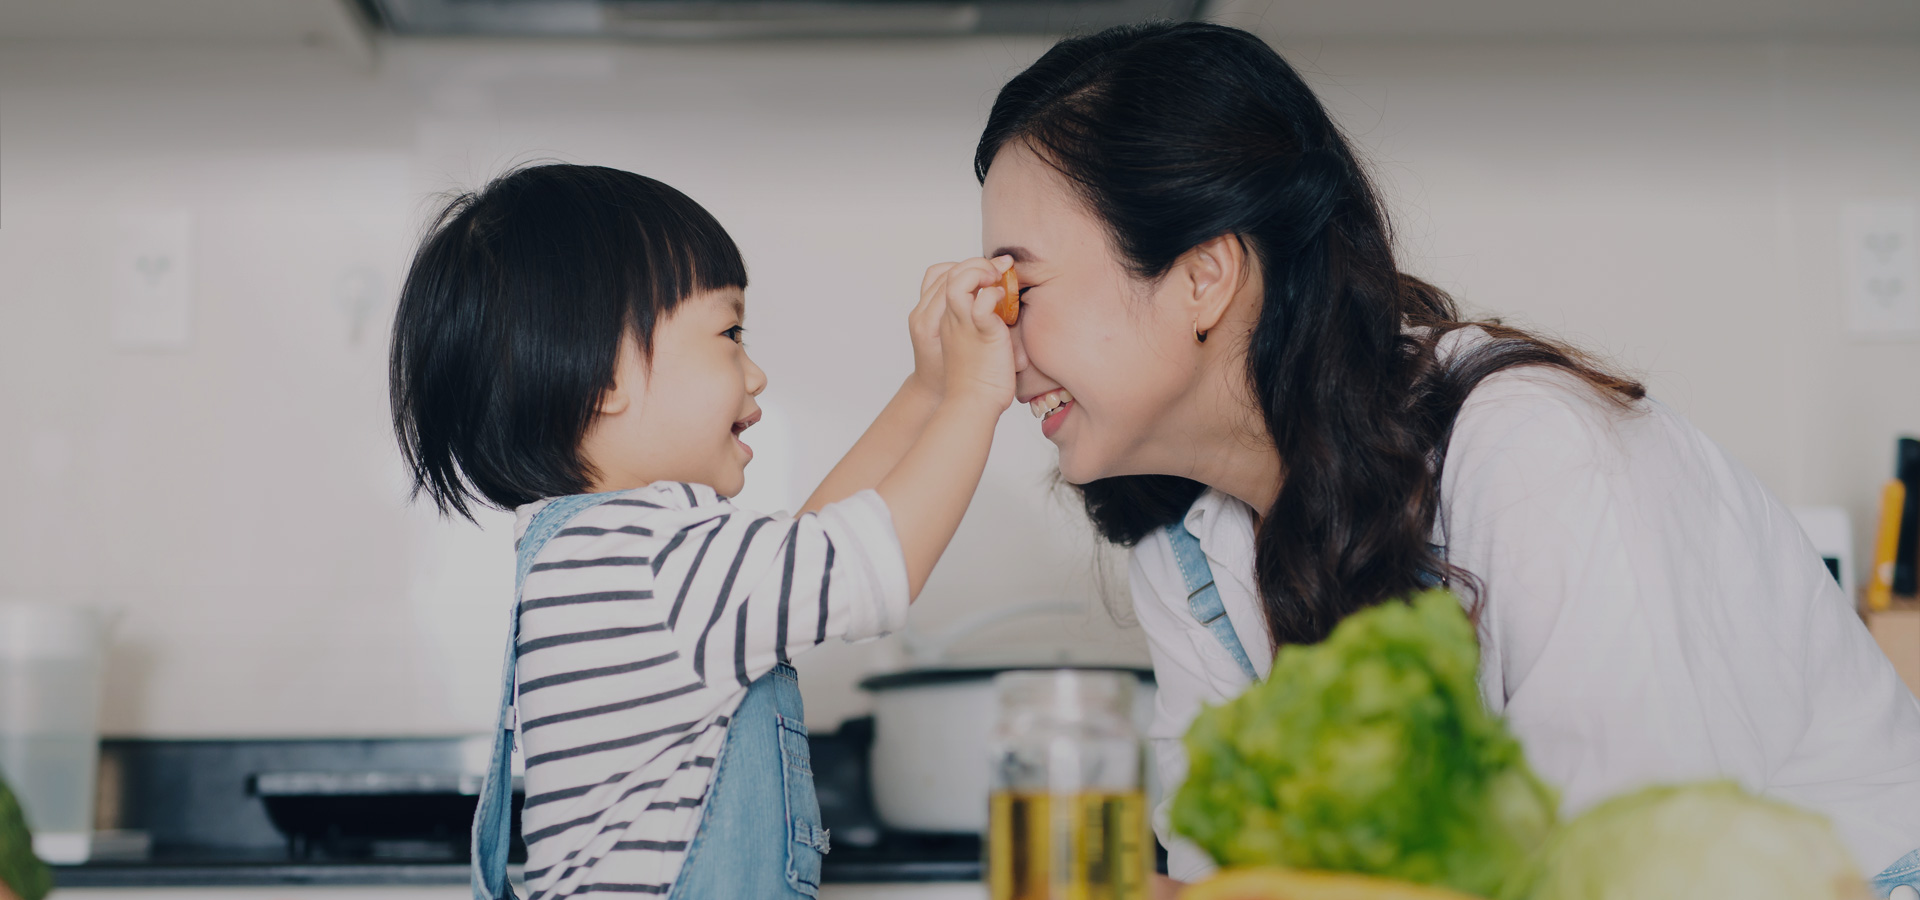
point(1044, 405)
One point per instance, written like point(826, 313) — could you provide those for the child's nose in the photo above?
point(756, 379)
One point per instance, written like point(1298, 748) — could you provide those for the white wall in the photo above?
point(1675, 205)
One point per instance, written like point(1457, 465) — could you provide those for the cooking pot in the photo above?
point(931, 731)
point(933, 724)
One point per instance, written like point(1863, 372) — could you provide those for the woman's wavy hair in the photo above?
point(1175, 134)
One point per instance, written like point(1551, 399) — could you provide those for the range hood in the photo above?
point(712, 19)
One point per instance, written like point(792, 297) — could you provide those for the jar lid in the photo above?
point(1067, 695)
point(43, 630)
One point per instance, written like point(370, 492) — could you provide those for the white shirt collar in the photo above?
point(1224, 527)
point(1214, 510)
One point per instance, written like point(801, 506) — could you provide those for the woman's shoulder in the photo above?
point(1547, 415)
point(1534, 397)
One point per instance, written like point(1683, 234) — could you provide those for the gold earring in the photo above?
point(1199, 335)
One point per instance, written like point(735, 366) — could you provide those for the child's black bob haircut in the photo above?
point(510, 324)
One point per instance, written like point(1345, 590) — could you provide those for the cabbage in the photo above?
point(1699, 840)
point(1369, 752)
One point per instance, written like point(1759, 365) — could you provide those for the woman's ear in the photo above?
point(1215, 269)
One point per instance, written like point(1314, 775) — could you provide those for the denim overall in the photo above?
point(765, 757)
point(1203, 600)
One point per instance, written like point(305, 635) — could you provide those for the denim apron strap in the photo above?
point(1902, 877)
point(493, 815)
point(1203, 597)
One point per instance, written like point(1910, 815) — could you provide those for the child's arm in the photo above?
point(894, 430)
point(927, 492)
point(834, 573)
point(880, 447)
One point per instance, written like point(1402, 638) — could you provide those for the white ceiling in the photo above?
point(335, 20)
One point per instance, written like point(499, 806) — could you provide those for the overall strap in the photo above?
point(1203, 597)
point(493, 814)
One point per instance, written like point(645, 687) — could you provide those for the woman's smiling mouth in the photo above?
point(1051, 408)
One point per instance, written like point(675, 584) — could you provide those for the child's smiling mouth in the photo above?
point(743, 425)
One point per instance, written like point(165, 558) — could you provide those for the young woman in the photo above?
point(1248, 392)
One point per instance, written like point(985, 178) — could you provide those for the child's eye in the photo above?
point(736, 334)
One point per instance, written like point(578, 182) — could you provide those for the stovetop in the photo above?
point(897, 858)
point(198, 809)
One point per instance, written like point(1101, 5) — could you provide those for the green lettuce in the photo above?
point(20, 870)
point(1369, 752)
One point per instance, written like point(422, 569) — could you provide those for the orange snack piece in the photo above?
point(1009, 306)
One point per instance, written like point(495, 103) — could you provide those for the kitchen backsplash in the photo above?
point(232, 488)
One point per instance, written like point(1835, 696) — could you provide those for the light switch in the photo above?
point(152, 280)
point(1883, 282)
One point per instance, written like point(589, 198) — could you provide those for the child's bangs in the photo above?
point(686, 252)
point(629, 240)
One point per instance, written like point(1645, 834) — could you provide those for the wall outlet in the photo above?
point(1883, 282)
point(152, 280)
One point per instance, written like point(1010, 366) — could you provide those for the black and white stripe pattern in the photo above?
point(642, 622)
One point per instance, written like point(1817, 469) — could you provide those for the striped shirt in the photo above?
point(641, 624)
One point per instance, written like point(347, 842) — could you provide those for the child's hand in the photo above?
point(923, 327)
point(975, 346)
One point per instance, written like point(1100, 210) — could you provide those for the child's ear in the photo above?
point(629, 380)
point(615, 401)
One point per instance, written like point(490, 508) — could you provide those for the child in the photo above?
point(568, 345)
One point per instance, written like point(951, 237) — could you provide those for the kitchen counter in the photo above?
point(899, 891)
point(895, 861)
point(201, 810)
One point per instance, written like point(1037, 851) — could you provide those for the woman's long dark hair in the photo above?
point(1175, 134)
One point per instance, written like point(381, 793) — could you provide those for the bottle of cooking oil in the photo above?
point(1068, 816)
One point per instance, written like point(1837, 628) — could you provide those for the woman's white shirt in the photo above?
point(1650, 613)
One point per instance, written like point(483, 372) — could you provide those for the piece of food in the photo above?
point(1009, 306)
point(1697, 840)
point(1271, 883)
point(1372, 753)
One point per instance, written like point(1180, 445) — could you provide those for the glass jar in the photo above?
point(1068, 814)
point(51, 660)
